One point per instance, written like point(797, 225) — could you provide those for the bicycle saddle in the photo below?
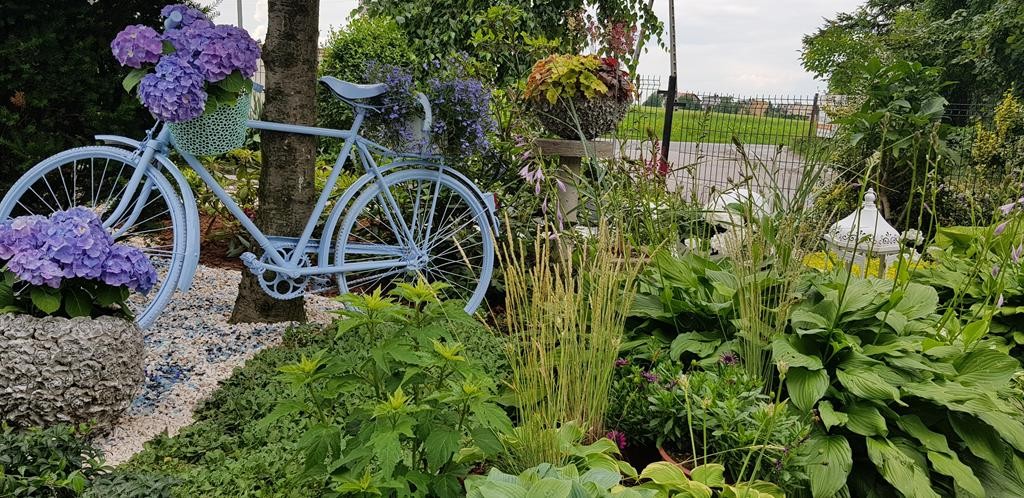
point(353, 91)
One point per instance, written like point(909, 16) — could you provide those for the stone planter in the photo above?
point(596, 116)
point(59, 370)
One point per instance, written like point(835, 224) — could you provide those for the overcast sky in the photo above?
point(745, 47)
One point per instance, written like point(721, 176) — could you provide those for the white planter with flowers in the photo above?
point(69, 352)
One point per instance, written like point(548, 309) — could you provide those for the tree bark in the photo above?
point(287, 190)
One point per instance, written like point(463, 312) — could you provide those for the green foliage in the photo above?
point(975, 43)
point(345, 57)
point(54, 462)
point(79, 297)
point(897, 135)
point(45, 106)
point(436, 29)
point(430, 413)
point(902, 410)
point(718, 415)
point(130, 485)
point(568, 77)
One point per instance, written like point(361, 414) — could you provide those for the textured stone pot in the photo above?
point(596, 116)
point(68, 370)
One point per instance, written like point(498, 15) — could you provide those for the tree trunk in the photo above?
point(287, 191)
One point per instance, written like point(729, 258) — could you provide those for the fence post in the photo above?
point(670, 106)
point(813, 131)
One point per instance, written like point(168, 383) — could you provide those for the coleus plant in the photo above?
point(905, 409)
point(192, 68)
point(68, 265)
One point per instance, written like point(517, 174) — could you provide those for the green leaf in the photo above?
point(902, 472)
point(77, 302)
point(693, 342)
point(487, 440)
point(986, 368)
point(806, 387)
point(235, 83)
point(829, 460)
point(867, 385)
point(830, 417)
point(664, 473)
point(949, 464)
point(168, 47)
point(46, 299)
point(710, 474)
point(974, 331)
point(784, 351)
point(865, 420)
point(441, 444)
point(283, 409)
point(919, 301)
point(133, 78)
point(107, 295)
point(549, 488)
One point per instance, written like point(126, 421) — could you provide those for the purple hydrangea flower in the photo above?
point(71, 244)
point(137, 45)
point(228, 49)
point(190, 40)
point(175, 92)
point(188, 14)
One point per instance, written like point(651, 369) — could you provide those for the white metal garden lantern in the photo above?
point(864, 235)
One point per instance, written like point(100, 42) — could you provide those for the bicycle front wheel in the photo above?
point(452, 238)
point(95, 178)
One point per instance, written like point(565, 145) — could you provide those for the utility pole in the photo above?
point(670, 96)
point(240, 14)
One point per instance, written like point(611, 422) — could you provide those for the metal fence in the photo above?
point(779, 134)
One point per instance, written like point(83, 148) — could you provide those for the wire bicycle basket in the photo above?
point(214, 133)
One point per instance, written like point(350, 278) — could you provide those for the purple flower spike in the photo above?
point(1000, 229)
point(618, 438)
point(1016, 253)
point(137, 45)
point(175, 92)
point(650, 377)
point(1006, 208)
point(621, 362)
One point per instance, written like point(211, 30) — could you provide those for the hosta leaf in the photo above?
point(865, 420)
point(919, 301)
point(980, 438)
point(913, 425)
point(867, 385)
point(664, 473)
point(829, 416)
point(782, 350)
point(899, 469)
point(828, 463)
point(986, 368)
point(549, 488)
point(949, 464)
point(806, 387)
point(693, 342)
point(711, 474)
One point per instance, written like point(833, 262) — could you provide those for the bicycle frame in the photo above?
point(154, 148)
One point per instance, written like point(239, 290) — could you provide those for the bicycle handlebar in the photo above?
point(173, 20)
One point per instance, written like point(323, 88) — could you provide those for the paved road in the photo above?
point(704, 167)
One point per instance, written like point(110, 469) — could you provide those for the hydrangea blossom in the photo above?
point(137, 45)
point(175, 92)
point(71, 244)
point(189, 15)
point(228, 48)
point(189, 40)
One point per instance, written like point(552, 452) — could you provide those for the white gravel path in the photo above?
point(189, 350)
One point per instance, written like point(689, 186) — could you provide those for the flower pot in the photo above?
point(593, 117)
point(668, 458)
point(60, 370)
point(214, 133)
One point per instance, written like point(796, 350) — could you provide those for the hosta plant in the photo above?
point(905, 407)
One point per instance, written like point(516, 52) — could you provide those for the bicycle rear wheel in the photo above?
point(96, 177)
point(453, 237)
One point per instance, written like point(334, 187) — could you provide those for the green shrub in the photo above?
point(52, 462)
point(59, 83)
point(131, 485)
point(345, 57)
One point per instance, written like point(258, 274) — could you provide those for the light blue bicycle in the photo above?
point(412, 218)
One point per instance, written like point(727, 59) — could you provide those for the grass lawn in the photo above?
point(712, 127)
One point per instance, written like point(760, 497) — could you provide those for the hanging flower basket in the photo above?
point(216, 132)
